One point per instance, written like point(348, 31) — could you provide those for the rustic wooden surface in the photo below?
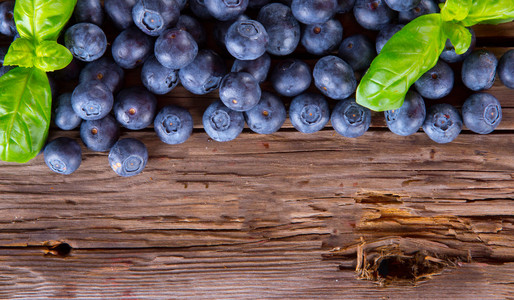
point(286, 215)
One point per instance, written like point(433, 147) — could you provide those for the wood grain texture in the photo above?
point(277, 216)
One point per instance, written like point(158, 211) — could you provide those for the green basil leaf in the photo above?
point(42, 19)
point(21, 53)
point(407, 55)
point(455, 10)
point(52, 56)
point(25, 107)
point(489, 12)
point(459, 36)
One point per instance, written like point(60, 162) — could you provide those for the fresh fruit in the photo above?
point(443, 123)
point(131, 48)
point(204, 74)
point(221, 123)
point(128, 157)
point(267, 116)
point(313, 11)
point(291, 77)
point(120, 12)
point(225, 10)
point(282, 28)
point(135, 108)
point(157, 78)
point(239, 91)
point(450, 56)
point(7, 25)
point(424, 7)
point(385, 34)
point(175, 48)
point(100, 135)
point(437, 82)
point(407, 119)
point(373, 14)
point(86, 41)
point(349, 119)
point(63, 155)
point(92, 100)
point(481, 113)
point(334, 77)
point(193, 27)
point(309, 112)
point(258, 67)
point(479, 70)
point(402, 5)
point(246, 40)
point(506, 69)
point(64, 116)
point(104, 70)
point(358, 51)
point(173, 124)
point(321, 39)
point(154, 16)
point(89, 11)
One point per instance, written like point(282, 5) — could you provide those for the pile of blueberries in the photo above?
point(169, 43)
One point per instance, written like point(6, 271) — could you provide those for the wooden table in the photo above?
point(286, 215)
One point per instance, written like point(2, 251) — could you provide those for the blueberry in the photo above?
point(204, 74)
point(221, 29)
point(175, 48)
point(407, 119)
point(442, 123)
point(120, 12)
point(344, 6)
point(199, 9)
point(246, 40)
point(239, 91)
point(450, 56)
point(358, 51)
point(7, 24)
point(100, 135)
point(349, 119)
point(86, 41)
point(313, 11)
point(291, 77)
point(373, 14)
point(506, 69)
point(105, 70)
point(402, 5)
point(173, 124)
point(257, 3)
point(282, 28)
point(63, 155)
point(225, 10)
point(131, 48)
point(155, 16)
point(195, 28)
point(436, 82)
point(482, 113)
point(157, 78)
point(64, 116)
point(267, 116)
point(92, 100)
point(424, 7)
point(128, 157)
point(479, 70)
point(221, 123)
point(334, 77)
point(321, 39)
point(309, 112)
point(181, 4)
point(135, 108)
point(89, 11)
point(385, 34)
point(258, 67)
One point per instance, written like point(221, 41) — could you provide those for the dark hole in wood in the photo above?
point(395, 268)
point(60, 250)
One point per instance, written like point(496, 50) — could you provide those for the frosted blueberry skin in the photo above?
point(89, 11)
point(128, 157)
point(104, 70)
point(482, 113)
point(321, 39)
point(358, 51)
point(63, 155)
point(199, 9)
point(120, 12)
point(64, 116)
point(424, 7)
point(259, 67)
point(195, 28)
point(221, 123)
point(92, 100)
point(283, 29)
point(173, 125)
point(291, 77)
point(246, 40)
point(7, 24)
point(443, 123)
point(154, 16)
point(135, 108)
point(225, 10)
point(267, 116)
point(436, 82)
point(479, 70)
point(506, 69)
point(100, 135)
point(204, 74)
point(344, 6)
point(373, 14)
point(385, 34)
point(313, 11)
point(402, 5)
point(175, 48)
point(334, 77)
point(350, 119)
point(131, 48)
point(450, 56)
point(309, 112)
point(407, 119)
point(157, 78)
point(239, 91)
point(86, 41)
point(221, 29)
